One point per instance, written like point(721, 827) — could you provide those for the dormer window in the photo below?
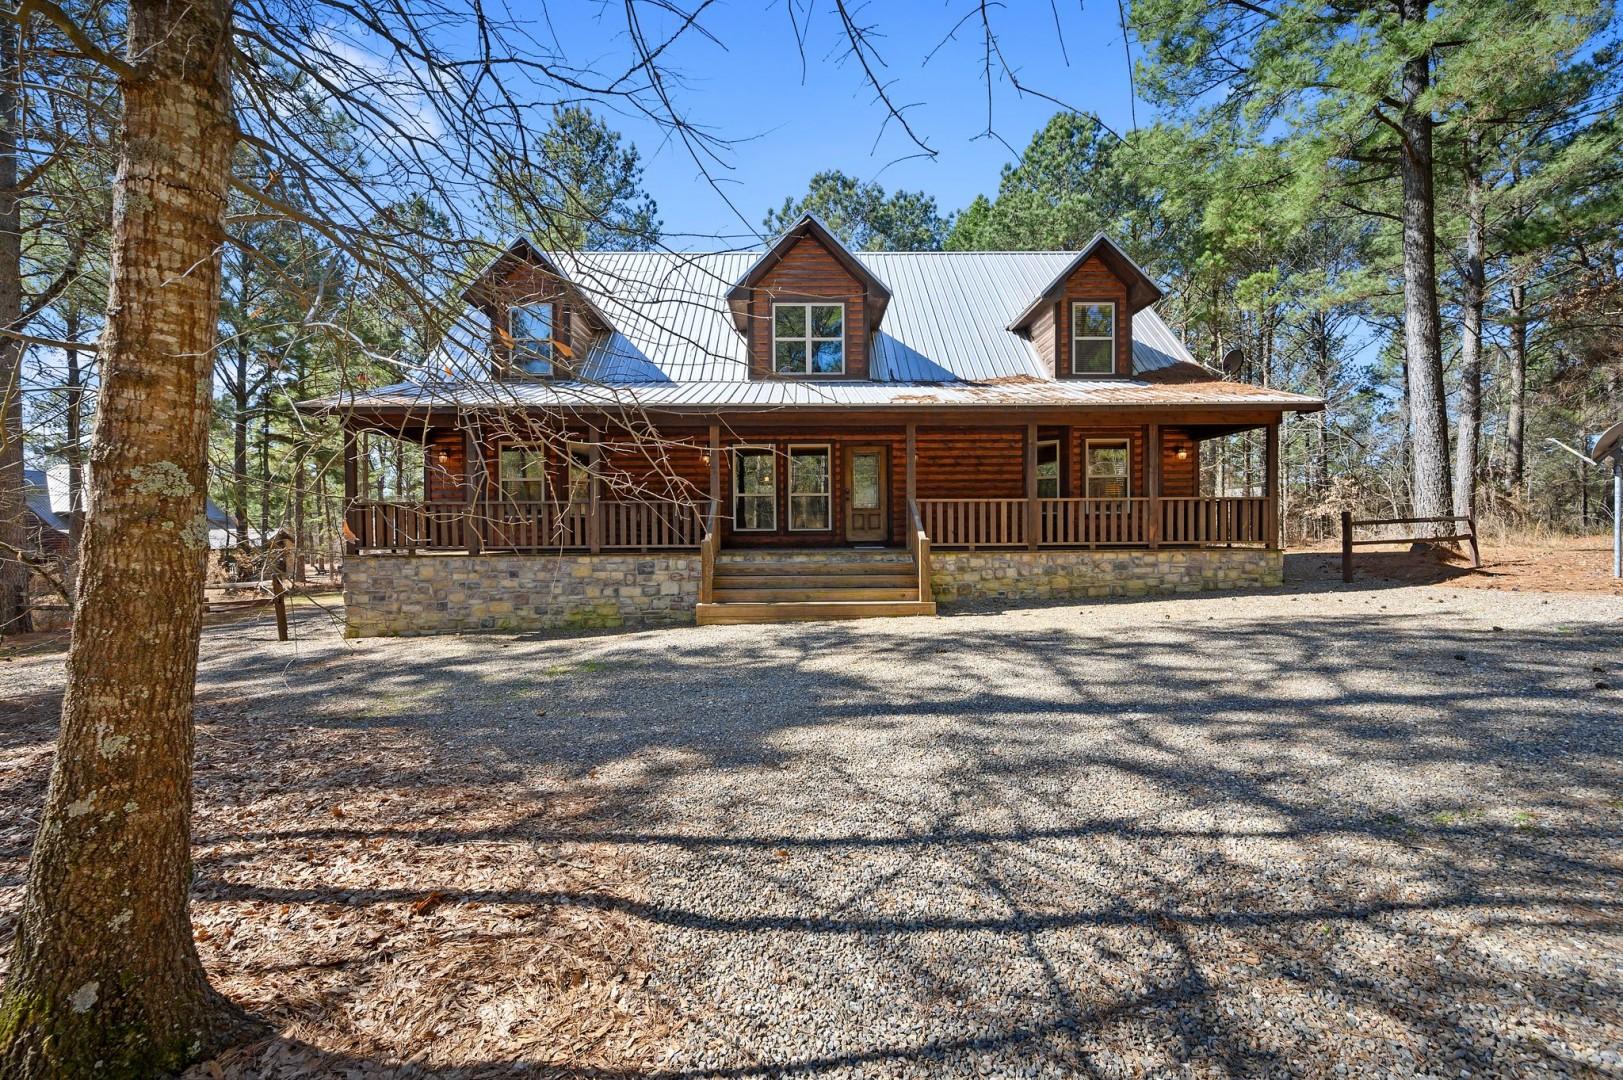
point(532, 328)
point(808, 339)
point(1093, 338)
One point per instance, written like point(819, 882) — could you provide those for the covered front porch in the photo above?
point(1037, 486)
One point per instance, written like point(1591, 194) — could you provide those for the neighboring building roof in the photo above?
point(945, 341)
point(37, 495)
point(50, 499)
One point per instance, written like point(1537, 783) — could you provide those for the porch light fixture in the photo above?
point(1183, 452)
point(442, 456)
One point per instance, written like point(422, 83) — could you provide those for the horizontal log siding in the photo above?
point(807, 272)
point(1179, 478)
point(1093, 280)
point(445, 483)
point(972, 464)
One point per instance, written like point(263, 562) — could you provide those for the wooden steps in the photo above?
point(757, 587)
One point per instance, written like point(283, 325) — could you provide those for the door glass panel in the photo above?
point(865, 481)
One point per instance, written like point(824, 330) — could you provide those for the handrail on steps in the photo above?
point(918, 545)
point(707, 557)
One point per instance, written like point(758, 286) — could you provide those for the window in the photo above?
point(1108, 469)
point(1048, 469)
point(531, 326)
point(580, 473)
point(1093, 338)
point(809, 504)
point(808, 339)
point(521, 473)
point(755, 490)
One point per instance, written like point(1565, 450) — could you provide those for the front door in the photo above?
point(865, 509)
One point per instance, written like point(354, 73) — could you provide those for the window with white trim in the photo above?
point(1048, 469)
point(521, 473)
point(1108, 468)
point(1093, 337)
point(810, 495)
point(808, 339)
point(533, 330)
point(755, 490)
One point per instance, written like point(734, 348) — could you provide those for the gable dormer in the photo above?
point(1081, 324)
point(808, 308)
point(541, 325)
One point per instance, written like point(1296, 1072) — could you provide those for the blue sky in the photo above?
point(790, 123)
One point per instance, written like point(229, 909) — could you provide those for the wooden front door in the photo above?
point(866, 512)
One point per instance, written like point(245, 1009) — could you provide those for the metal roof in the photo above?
point(943, 341)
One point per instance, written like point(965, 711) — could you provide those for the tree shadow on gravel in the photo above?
point(1346, 838)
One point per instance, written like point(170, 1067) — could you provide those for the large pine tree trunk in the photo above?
point(1468, 438)
point(74, 449)
point(1428, 411)
point(105, 980)
point(1517, 420)
point(13, 532)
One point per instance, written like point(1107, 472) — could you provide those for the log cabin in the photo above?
point(803, 432)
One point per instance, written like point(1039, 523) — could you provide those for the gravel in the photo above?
point(1332, 831)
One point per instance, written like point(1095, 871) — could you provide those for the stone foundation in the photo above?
point(393, 595)
point(1038, 575)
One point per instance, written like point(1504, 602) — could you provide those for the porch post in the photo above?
point(473, 474)
point(1270, 527)
point(1152, 484)
point(1032, 535)
point(352, 541)
point(715, 468)
point(594, 519)
point(912, 464)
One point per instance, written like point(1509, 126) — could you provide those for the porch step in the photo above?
point(830, 568)
point(714, 614)
point(729, 595)
point(904, 580)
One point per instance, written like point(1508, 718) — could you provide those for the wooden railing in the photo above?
point(1094, 522)
point(1134, 522)
point(975, 523)
point(1231, 520)
point(523, 526)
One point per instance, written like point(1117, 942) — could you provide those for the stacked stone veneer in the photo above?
point(388, 595)
point(1011, 575)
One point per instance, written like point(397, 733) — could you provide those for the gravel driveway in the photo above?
point(1327, 832)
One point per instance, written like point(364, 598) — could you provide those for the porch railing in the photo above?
point(523, 526)
point(1135, 522)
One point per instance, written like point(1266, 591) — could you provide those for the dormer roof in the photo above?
point(809, 226)
point(525, 252)
point(1142, 291)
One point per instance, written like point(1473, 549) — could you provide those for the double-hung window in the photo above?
point(533, 329)
point(1107, 467)
point(1093, 337)
point(755, 490)
point(521, 473)
point(810, 495)
point(580, 473)
point(808, 339)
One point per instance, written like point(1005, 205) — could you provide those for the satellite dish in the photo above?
point(1609, 443)
point(1233, 361)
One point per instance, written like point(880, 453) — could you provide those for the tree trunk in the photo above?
point(1428, 412)
point(74, 450)
point(239, 441)
point(105, 980)
point(1468, 438)
point(1517, 420)
point(13, 527)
